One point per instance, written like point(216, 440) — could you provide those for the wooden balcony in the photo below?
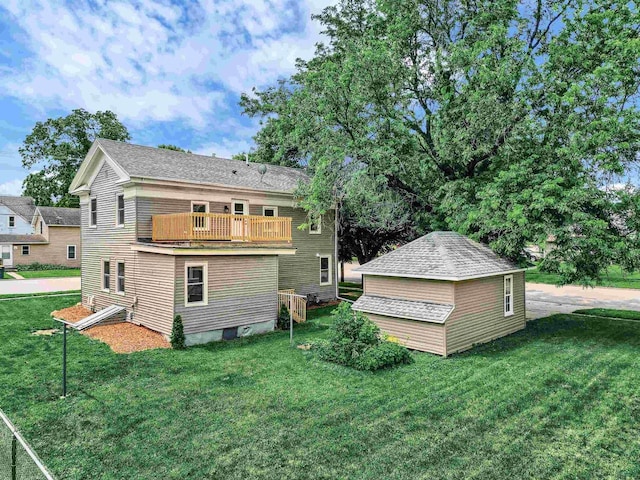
point(180, 227)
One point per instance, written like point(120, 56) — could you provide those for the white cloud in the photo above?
point(150, 60)
point(225, 148)
point(12, 187)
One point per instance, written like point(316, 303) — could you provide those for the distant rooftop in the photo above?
point(23, 206)
point(440, 256)
point(60, 216)
point(162, 164)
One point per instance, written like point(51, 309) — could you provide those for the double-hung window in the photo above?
point(195, 284)
point(12, 221)
point(508, 295)
point(71, 252)
point(120, 277)
point(120, 209)
point(93, 212)
point(325, 270)
point(315, 225)
point(26, 249)
point(201, 221)
point(106, 275)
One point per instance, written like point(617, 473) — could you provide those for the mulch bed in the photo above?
point(122, 337)
point(323, 304)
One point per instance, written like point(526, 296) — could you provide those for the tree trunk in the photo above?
point(342, 272)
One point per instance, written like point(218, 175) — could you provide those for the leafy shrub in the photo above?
point(177, 334)
point(355, 342)
point(283, 318)
point(36, 266)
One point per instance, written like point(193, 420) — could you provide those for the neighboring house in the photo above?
point(213, 240)
point(443, 293)
point(16, 214)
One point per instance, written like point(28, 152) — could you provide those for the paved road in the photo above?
point(544, 300)
point(39, 285)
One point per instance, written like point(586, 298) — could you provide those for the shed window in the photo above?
point(93, 212)
point(26, 249)
point(120, 209)
point(12, 221)
point(195, 284)
point(325, 270)
point(120, 277)
point(508, 295)
point(71, 252)
point(106, 274)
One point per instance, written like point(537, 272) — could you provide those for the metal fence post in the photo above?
point(291, 320)
point(64, 360)
point(14, 457)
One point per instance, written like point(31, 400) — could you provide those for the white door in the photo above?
point(6, 251)
point(239, 229)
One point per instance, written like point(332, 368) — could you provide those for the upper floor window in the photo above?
point(325, 270)
point(71, 252)
point(40, 227)
point(200, 222)
point(120, 209)
point(93, 212)
point(12, 221)
point(26, 249)
point(270, 211)
point(120, 277)
point(315, 225)
point(508, 295)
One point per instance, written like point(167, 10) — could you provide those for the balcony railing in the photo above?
point(220, 227)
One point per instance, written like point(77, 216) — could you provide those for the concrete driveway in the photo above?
point(39, 285)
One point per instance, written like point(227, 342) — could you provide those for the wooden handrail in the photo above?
point(220, 226)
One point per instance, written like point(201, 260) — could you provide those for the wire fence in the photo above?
point(18, 461)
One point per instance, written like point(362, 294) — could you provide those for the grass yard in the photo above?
point(610, 313)
point(350, 290)
point(558, 400)
point(615, 277)
point(73, 272)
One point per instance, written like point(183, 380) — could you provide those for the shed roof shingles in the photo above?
point(440, 255)
point(400, 308)
point(162, 164)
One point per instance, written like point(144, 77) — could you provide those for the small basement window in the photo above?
point(508, 295)
point(120, 209)
point(195, 284)
point(71, 252)
point(12, 221)
point(26, 250)
point(106, 275)
point(325, 270)
point(93, 212)
point(120, 277)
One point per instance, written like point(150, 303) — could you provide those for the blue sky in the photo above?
point(172, 71)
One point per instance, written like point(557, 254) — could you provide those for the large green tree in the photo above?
point(500, 119)
point(56, 148)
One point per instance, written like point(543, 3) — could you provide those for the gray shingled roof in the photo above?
point(60, 216)
point(410, 309)
point(162, 164)
point(22, 239)
point(440, 256)
point(23, 206)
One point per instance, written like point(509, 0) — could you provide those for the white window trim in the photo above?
point(267, 207)
point(206, 210)
point(93, 225)
point(75, 252)
point(507, 313)
point(205, 287)
point(319, 224)
point(245, 208)
point(118, 291)
point(120, 225)
point(9, 221)
point(28, 250)
point(102, 260)
point(330, 282)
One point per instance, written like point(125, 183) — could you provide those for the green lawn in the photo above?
point(350, 290)
point(558, 400)
point(73, 272)
point(615, 277)
point(610, 313)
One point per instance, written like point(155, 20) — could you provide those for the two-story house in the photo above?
point(16, 214)
point(166, 233)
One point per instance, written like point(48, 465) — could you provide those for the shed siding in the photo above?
point(55, 252)
point(242, 291)
point(478, 316)
point(153, 284)
point(409, 288)
point(423, 336)
point(302, 270)
point(106, 241)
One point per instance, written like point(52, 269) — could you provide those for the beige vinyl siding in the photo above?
point(478, 316)
point(55, 252)
point(152, 280)
point(409, 288)
point(302, 270)
point(423, 336)
point(242, 290)
point(106, 241)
